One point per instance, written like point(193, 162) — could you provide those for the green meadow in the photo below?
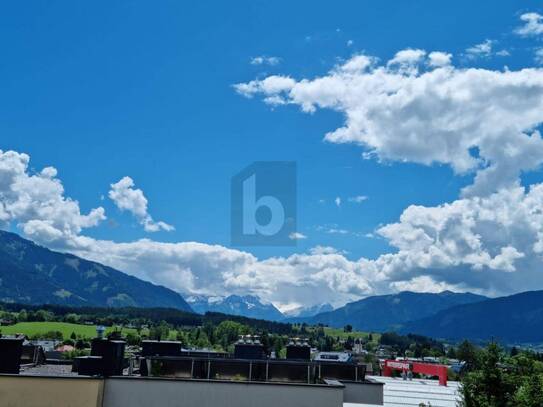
point(36, 328)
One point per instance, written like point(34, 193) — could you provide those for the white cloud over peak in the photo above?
point(128, 198)
point(475, 120)
point(533, 25)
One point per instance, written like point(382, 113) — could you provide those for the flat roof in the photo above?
point(410, 393)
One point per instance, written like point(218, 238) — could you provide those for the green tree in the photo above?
point(23, 316)
point(488, 385)
point(133, 339)
point(160, 332)
point(72, 318)
point(182, 337)
point(228, 332)
point(43, 316)
point(451, 353)
point(467, 352)
point(530, 392)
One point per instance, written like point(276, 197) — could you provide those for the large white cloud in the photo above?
point(36, 201)
point(494, 242)
point(128, 198)
point(491, 244)
point(421, 109)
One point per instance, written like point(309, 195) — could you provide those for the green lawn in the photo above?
point(34, 328)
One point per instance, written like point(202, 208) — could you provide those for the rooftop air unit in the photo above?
point(250, 348)
point(10, 354)
point(298, 349)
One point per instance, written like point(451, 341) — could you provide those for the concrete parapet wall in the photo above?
point(50, 391)
point(62, 391)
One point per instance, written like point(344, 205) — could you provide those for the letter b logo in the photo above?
point(264, 204)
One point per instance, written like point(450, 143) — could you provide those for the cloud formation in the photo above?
point(533, 25)
point(36, 202)
point(489, 244)
point(264, 60)
point(484, 49)
point(297, 236)
point(477, 121)
point(128, 198)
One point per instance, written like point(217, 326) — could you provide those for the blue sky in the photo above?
point(106, 90)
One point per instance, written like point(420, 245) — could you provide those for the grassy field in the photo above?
point(35, 328)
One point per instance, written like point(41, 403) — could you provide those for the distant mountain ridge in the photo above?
point(389, 312)
point(516, 318)
point(247, 305)
point(33, 274)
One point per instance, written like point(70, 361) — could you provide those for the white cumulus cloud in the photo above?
point(475, 120)
point(533, 25)
point(128, 198)
point(439, 59)
point(36, 201)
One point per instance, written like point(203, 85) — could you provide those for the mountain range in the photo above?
point(389, 312)
point(516, 318)
point(32, 274)
point(248, 306)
